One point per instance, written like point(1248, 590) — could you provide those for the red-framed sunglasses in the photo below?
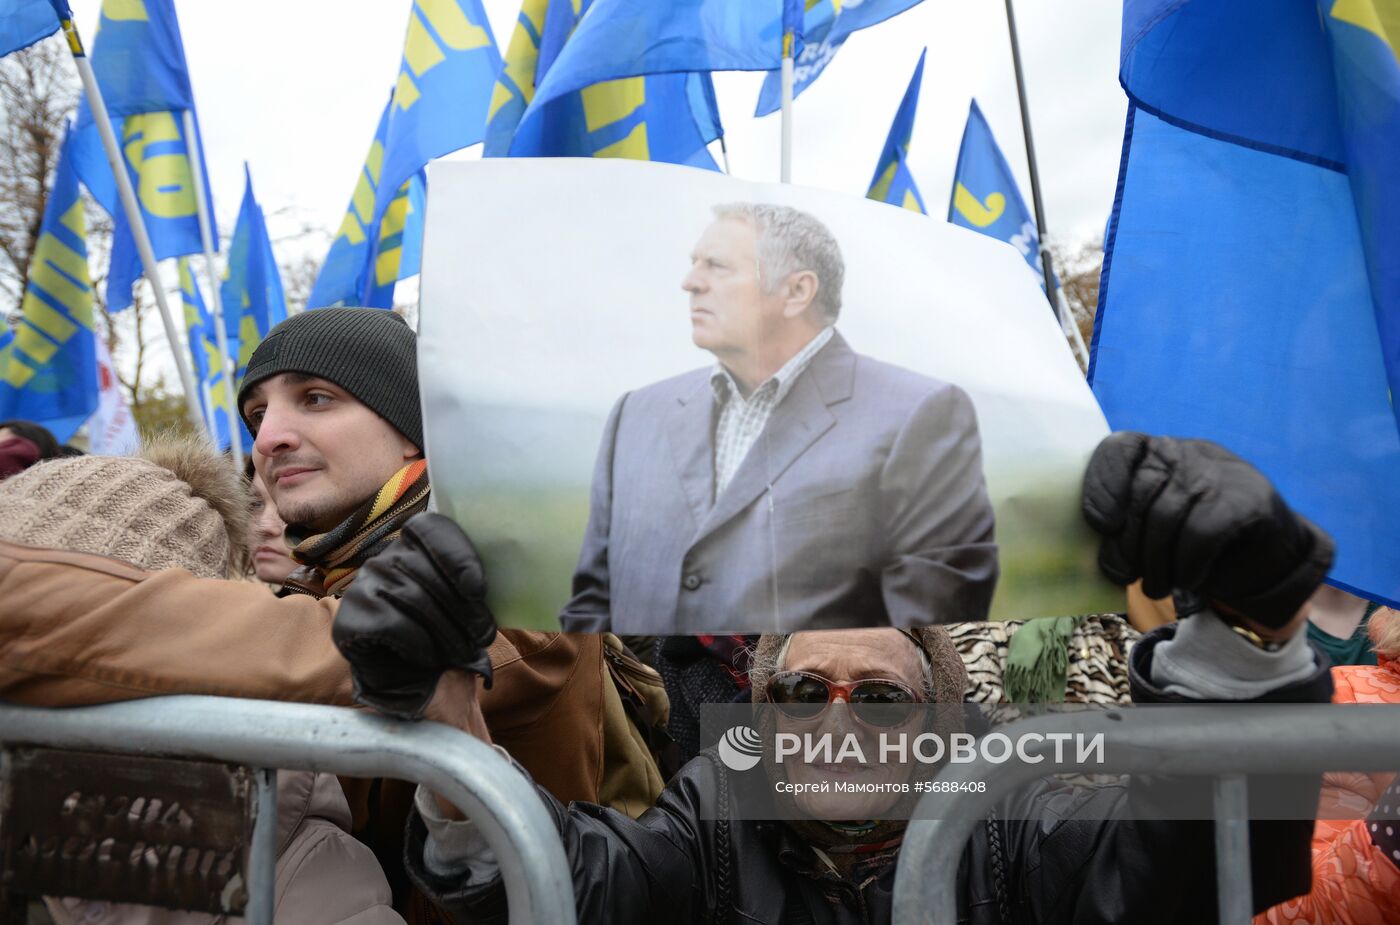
point(804, 695)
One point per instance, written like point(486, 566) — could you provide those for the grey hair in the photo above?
point(764, 667)
point(790, 240)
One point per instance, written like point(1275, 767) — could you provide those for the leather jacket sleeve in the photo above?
point(625, 872)
point(1103, 855)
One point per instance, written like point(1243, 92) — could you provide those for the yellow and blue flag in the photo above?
point(367, 258)
point(24, 22)
point(1248, 290)
point(985, 195)
point(209, 367)
point(398, 252)
point(826, 25)
point(893, 183)
point(632, 38)
point(661, 117)
point(48, 363)
point(139, 62)
point(251, 293)
point(440, 99)
point(521, 70)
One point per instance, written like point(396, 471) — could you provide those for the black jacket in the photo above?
point(1072, 862)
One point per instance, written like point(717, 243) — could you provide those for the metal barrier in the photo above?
point(1223, 741)
point(298, 737)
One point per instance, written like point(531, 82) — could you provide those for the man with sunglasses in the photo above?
point(1181, 515)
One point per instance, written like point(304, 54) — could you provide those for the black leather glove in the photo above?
point(1190, 515)
point(414, 611)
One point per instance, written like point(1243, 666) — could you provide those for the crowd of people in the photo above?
point(150, 575)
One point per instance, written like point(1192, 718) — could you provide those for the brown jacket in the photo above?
point(81, 629)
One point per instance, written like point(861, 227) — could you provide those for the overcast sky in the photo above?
point(296, 87)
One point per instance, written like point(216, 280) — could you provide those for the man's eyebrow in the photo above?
point(256, 392)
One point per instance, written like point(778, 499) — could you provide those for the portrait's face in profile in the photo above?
point(729, 310)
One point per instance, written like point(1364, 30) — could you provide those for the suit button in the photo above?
point(691, 582)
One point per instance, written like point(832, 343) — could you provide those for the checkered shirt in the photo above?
point(742, 420)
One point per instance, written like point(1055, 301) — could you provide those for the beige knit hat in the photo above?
point(177, 505)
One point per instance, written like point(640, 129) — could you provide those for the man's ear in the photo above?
point(410, 451)
point(802, 289)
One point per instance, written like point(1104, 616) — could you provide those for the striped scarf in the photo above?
point(329, 560)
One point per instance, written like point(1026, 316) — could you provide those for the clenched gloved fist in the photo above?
point(414, 611)
point(1192, 516)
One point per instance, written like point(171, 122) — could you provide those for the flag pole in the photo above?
point(785, 172)
point(1076, 338)
point(206, 237)
point(133, 216)
point(1046, 269)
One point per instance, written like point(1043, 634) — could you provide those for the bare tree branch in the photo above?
point(38, 92)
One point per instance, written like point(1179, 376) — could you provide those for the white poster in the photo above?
point(111, 429)
point(662, 400)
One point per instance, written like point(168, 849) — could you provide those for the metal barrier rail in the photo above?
point(302, 737)
point(1223, 741)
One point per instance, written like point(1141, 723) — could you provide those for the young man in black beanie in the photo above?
point(332, 396)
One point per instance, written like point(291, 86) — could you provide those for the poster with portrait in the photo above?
point(666, 401)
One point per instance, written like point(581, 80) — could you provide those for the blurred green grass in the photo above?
point(529, 541)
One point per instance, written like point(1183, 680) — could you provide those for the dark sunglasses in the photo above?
point(875, 701)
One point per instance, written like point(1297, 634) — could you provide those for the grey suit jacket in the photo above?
point(862, 503)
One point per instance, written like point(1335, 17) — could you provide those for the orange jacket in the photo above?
point(1354, 883)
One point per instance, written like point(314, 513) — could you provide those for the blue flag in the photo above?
point(825, 27)
point(1238, 299)
point(985, 195)
point(893, 183)
point(24, 22)
point(252, 288)
point(208, 366)
point(48, 364)
point(443, 90)
point(662, 117)
point(631, 38)
point(366, 259)
point(139, 62)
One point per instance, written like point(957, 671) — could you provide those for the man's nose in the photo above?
point(276, 433)
point(693, 282)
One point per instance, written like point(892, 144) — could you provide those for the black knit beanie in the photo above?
point(368, 352)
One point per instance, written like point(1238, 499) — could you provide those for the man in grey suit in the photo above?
point(797, 484)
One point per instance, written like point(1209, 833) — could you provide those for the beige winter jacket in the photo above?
point(324, 875)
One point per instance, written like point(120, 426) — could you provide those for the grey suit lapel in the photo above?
point(690, 432)
point(797, 423)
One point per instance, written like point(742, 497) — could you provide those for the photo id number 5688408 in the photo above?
point(950, 786)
